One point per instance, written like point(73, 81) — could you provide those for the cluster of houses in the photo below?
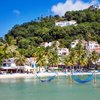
point(61, 51)
point(90, 45)
point(10, 66)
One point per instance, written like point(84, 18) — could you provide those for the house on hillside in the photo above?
point(93, 46)
point(49, 44)
point(63, 51)
point(65, 23)
point(90, 46)
point(74, 43)
point(46, 44)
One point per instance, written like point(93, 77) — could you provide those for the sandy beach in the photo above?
point(30, 75)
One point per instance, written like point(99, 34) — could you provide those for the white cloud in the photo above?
point(16, 12)
point(71, 5)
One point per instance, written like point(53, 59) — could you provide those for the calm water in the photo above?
point(58, 89)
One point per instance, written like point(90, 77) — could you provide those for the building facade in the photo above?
point(65, 23)
point(90, 46)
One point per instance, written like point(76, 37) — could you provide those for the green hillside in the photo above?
point(43, 29)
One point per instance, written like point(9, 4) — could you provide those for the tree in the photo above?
point(6, 51)
point(81, 54)
point(94, 57)
point(54, 59)
point(71, 59)
point(20, 60)
point(1, 55)
point(40, 56)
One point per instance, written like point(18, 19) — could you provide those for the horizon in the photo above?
point(18, 12)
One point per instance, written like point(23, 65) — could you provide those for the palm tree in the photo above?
point(81, 54)
point(48, 55)
point(6, 51)
point(83, 61)
point(1, 55)
point(71, 59)
point(9, 48)
point(55, 45)
point(94, 57)
point(41, 59)
point(54, 58)
point(40, 56)
point(20, 59)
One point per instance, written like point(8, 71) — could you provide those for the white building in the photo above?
point(32, 65)
point(74, 43)
point(93, 46)
point(49, 44)
point(9, 64)
point(65, 23)
point(90, 46)
point(63, 51)
point(46, 44)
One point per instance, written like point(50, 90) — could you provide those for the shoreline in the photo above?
point(30, 75)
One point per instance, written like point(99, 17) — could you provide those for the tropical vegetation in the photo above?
point(25, 40)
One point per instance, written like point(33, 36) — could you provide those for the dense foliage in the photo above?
point(30, 35)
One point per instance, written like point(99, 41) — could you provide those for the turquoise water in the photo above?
point(58, 89)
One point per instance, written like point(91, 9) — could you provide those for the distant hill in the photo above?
point(43, 29)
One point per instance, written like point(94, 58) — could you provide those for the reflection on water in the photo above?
point(16, 80)
point(58, 89)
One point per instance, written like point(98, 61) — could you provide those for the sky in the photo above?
point(14, 12)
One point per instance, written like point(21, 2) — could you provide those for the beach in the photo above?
point(46, 74)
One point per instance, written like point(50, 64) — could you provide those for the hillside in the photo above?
point(33, 33)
